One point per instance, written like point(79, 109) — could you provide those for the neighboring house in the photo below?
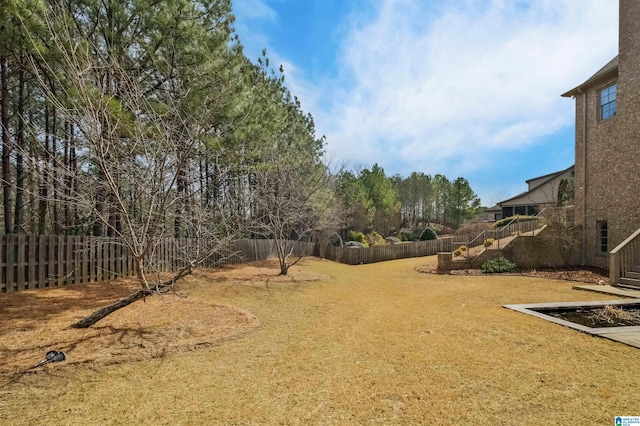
point(542, 192)
point(493, 213)
point(607, 178)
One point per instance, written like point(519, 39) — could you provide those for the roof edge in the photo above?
point(604, 73)
point(549, 177)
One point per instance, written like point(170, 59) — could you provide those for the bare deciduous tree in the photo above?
point(133, 148)
point(293, 203)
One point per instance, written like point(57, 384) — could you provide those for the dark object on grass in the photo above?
point(52, 356)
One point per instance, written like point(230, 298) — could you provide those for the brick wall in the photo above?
point(608, 166)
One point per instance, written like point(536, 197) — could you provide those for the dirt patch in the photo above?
point(34, 322)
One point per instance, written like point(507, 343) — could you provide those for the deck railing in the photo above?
point(624, 257)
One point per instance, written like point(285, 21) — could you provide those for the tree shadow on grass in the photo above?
point(144, 330)
point(29, 309)
point(20, 361)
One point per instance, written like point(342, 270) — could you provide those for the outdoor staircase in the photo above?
point(631, 278)
point(624, 262)
point(501, 237)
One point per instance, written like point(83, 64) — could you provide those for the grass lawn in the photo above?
point(372, 344)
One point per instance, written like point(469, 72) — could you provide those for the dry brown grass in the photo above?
point(379, 344)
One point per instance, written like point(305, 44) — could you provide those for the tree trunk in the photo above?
point(73, 177)
point(66, 179)
point(18, 224)
point(54, 170)
point(43, 192)
point(181, 189)
point(6, 145)
point(100, 204)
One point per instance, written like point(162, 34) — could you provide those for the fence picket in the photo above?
point(3, 263)
point(20, 263)
point(60, 264)
point(51, 263)
point(32, 262)
point(112, 260)
point(41, 254)
point(10, 262)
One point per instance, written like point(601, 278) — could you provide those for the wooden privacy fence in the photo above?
point(30, 262)
point(358, 256)
point(39, 261)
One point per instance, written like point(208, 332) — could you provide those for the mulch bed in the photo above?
point(585, 275)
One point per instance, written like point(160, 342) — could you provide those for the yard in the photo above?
point(332, 344)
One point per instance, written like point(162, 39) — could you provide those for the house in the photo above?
point(607, 178)
point(542, 192)
point(493, 213)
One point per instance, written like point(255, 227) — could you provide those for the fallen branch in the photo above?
point(96, 316)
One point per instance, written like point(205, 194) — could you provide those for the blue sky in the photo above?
point(465, 88)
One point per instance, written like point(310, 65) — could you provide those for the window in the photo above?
point(608, 104)
point(602, 233)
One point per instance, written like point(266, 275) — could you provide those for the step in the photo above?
point(635, 269)
point(630, 281)
point(634, 275)
point(626, 287)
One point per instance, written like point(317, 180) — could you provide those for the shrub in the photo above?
point(392, 240)
point(404, 234)
point(488, 242)
point(375, 239)
point(335, 240)
point(428, 234)
point(498, 265)
point(442, 229)
point(417, 234)
point(472, 228)
point(357, 236)
point(459, 250)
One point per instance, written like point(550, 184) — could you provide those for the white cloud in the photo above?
point(452, 83)
point(254, 9)
point(449, 86)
